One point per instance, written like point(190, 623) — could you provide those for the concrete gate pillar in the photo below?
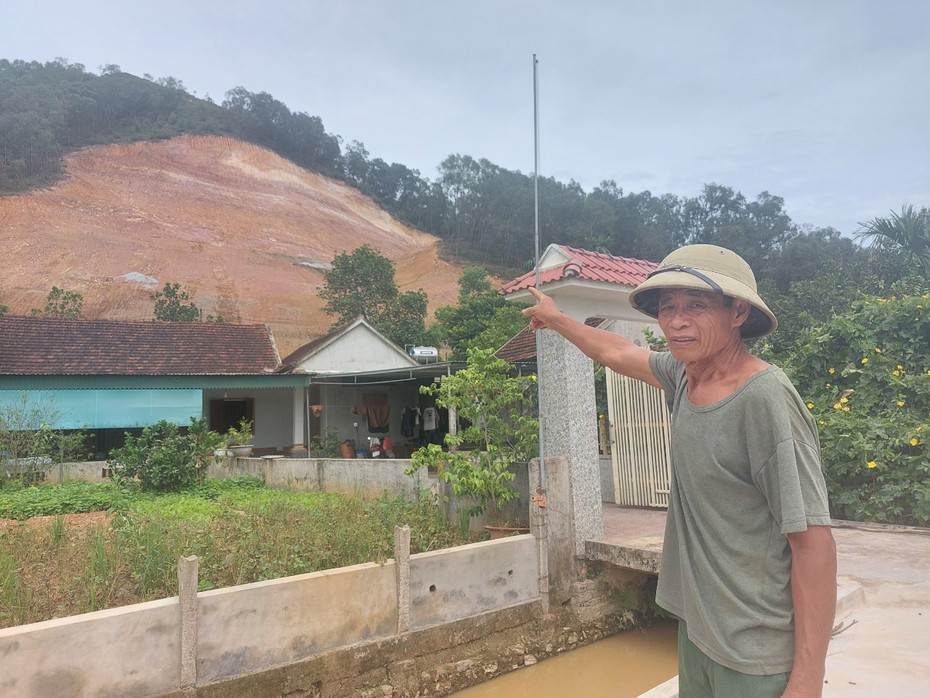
point(569, 415)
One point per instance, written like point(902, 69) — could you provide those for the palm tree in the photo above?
point(908, 231)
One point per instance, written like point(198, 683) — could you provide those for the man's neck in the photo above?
point(714, 379)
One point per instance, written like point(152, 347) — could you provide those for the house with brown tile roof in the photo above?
point(108, 377)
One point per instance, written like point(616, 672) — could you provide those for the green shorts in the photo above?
point(699, 676)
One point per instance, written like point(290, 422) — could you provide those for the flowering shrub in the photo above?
point(865, 375)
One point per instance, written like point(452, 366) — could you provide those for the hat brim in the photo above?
point(761, 320)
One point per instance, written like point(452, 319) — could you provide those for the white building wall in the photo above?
point(359, 349)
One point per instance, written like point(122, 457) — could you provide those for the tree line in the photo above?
point(484, 213)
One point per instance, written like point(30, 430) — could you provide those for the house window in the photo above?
point(229, 412)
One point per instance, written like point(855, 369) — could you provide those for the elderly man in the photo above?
point(748, 563)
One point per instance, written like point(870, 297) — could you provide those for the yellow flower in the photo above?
point(828, 385)
point(810, 405)
point(821, 422)
point(913, 441)
point(844, 400)
point(845, 408)
point(831, 371)
point(878, 350)
point(900, 367)
point(837, 406)
point(871, 464)
point(865, 361)
point(900, 403)
point(895, 373)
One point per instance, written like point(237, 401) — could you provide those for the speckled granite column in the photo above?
point(569, 415)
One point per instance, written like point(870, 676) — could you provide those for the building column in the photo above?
point(569, 429)
point(300, 416)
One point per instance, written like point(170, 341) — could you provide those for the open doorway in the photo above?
point(228, 412)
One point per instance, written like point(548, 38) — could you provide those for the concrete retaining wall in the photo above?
point(365, 478)
point(137, 650)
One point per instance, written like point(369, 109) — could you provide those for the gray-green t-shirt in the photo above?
point(745, 472)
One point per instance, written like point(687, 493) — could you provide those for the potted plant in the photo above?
point(239, 439)
point(498, 433)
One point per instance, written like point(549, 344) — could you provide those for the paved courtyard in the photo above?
point(882, 645)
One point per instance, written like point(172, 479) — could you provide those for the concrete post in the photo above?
point(539, 527)
point(188, 570)
point(569, 415)
point(402, 576)
point(561, 566)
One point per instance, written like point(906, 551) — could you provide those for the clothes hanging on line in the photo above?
point(410, 421)
point(379, 417)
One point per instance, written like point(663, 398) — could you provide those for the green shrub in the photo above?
point(165, 459)
point(500, 430)
point(865, 375)
point(326, 445)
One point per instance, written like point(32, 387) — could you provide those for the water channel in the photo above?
point(621, 666)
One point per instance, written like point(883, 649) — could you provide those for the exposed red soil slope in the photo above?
point(243, 230)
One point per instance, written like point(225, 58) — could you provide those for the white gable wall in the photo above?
point(357, 349)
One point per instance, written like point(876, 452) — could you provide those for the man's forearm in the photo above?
point(813, 593)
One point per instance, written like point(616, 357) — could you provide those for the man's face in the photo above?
point(699, 324)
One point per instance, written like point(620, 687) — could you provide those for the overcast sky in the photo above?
point(825, 103)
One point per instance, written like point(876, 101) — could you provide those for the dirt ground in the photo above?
point(56, 574)
point(245, 231)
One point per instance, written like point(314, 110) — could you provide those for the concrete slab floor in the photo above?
point(882, 647)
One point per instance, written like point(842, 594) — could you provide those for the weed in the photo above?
point(241, 532)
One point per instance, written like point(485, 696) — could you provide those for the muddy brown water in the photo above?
point(622, 666)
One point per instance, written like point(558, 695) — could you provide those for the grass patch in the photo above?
point(75, 497)
point(241, 531)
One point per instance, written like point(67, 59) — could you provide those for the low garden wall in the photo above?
point(365, 478)
point(172, 645)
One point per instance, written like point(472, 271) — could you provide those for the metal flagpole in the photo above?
point(542, 448)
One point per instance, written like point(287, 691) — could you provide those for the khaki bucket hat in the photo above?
point(707, 268)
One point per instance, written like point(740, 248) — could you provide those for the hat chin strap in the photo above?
point(688, 270)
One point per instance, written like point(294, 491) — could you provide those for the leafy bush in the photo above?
point(865, 375)
point(241, 435)
point(500, 431)
point(165, 459)
point(326, 445)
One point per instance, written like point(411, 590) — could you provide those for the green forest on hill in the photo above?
point(484, 213)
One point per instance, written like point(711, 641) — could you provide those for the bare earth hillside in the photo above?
point(246, 232)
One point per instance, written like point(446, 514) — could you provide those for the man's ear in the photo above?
point(742, 308)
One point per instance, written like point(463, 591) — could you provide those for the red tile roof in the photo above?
point(587, 266)
point(66, 347)
point(522, 346)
